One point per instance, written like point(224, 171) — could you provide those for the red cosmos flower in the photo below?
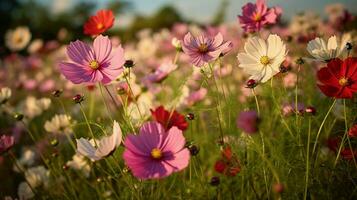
point(99, 23)
point(353, 131)
point(169, 119)
point(348, 154)
point(228, 164)
point(339, 78)
point(220, 166)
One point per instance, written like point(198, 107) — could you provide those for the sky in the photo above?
point(204, 10)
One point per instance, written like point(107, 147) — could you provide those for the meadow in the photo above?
point(255, 109)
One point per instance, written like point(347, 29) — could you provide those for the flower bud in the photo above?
point(214, 181)
point(177, 44)
point(54, 142)
point(283, 69)
point(129, 64)
point(190, 116)
point(300, 61)
point(310, 110)
point(78, 98)
point(57, 93)
point(349, 46)
point(194, 150)
point(251, 83)
point(18, 116)
point(65, 167)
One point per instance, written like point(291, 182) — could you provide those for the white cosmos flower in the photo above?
point(17, 39)
point(105, 146)
point(59, 124)
point(37, 176)
point(140, 109)
point(262, 58)
point(79, 163)
point(322, 51)
point(24, 191)
point(33, 107)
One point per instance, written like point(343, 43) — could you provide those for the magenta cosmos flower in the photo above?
point(99, 63)
point(203, 49)
point(155, 153)
point(248, 121)
point(255, 16)
point(6, 142)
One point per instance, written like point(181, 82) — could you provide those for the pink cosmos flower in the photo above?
point(6, 142)
point(155, 153)
point(255, 16)
point(196, 96)
point(203, 49)
point(99, 63)
point(289, 80)
point(160, 73)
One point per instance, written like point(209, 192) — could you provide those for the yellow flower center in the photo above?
point(203, 48)
point(343, 81)
point(257, 17)
point(100, 26)
point(156, 153)
point(93, 64)
point(264, 60)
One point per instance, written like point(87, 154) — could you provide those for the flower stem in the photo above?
point(256, 101)
point(132, 93)
point(105, 103)
point(89, 127)
point(218, 106)
point(111, 96)
point(307, 159)
point(322, 124)
point(344, 136)
point(21, 170)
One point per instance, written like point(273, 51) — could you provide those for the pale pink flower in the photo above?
point(289, 80)
point(203, 49)
point(99, 63)
point(196, 96)
point(255, 16)
point(155, 153)
point(160, 73)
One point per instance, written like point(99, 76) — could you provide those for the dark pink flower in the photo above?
point(6, 142)
point(255, 16)
point(203, 49)
point(248, 121)
point(99, 63)
point(155, 153)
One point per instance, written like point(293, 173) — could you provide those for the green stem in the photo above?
point(344, 135)
point(321, 126)
point(307, 159)
point(105, 103)
point(132, 93)
point(256, 101)
point(89, 127)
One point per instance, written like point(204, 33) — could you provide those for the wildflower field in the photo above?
point(260, 108)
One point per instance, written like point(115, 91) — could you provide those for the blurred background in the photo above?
point(47, 19)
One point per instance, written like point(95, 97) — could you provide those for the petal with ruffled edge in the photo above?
point(85, 148)
point(75, 72)
point(80, 53)
point(180, 160)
